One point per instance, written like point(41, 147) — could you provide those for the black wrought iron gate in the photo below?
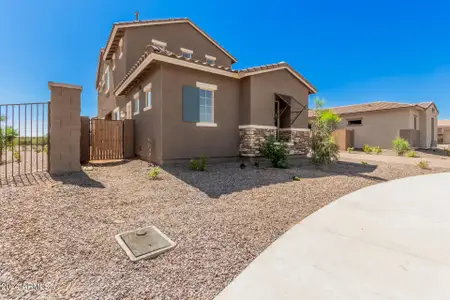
point(23, 139)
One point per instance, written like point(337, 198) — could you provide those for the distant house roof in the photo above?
point(118, 31)
point(443, 123)
point(153, 52)
point(373, 106)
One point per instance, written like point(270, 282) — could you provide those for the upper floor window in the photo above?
point(148, 96)
point(159, 44)
point(136, 103)
point(107, 79)
point(120, 48)
point(210, 60)
point(187, 53)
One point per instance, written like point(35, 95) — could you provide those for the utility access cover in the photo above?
point(146, 242)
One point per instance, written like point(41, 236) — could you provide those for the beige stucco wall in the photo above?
point(262, 97)
point(378, 128)
point(427, 135)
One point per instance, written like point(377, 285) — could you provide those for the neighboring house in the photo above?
point(379, 123)
point(178, 85)
point(443, 131)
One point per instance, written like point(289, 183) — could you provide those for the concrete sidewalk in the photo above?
point(387, 241)
point(356, 157)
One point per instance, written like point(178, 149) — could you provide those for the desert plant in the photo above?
point(7, 135)
point(275, 151)
point(411, 154)
point(295, 178)
point(377, 150)
point(367, 149)
point(401, 146)
point(350, 149)
point(423, 164)
point(17, 156)
point(323, 148)
point(154, 173)
point(198, 164)
point(364, 162)
point(447, 151)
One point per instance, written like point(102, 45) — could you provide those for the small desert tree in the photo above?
point(323, 148)
point(7, 133)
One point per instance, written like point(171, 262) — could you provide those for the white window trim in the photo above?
point(121, 48)
point(115, 111)
point(159, 43)
point(147, 88)
point(113, 62)
point(130, 108)
point(136, 97)
point(213, 88)
point(187, 50)
point(206, 124)
point(107, 79)
point(209, 57)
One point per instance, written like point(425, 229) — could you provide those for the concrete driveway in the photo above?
point(387, 241)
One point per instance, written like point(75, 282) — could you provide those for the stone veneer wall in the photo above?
point(299, 141)
point(253, 137)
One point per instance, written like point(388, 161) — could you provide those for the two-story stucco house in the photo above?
point(179, 86)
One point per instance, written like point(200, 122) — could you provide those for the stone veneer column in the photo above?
point(298, 139)
point(65, 128)
point(252, 137)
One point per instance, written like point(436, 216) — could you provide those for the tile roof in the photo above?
point(443, 123)
point(158, 50)
point(164, 21)
point(276, 66)
point(373, 106)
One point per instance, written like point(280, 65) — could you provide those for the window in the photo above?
point(187, 53)
point(148, 96)
point(116, 113)
point(206, 106)
point(415, 122)
point(211, 60)
point(136, 103)
point(120, 48)
point(108, 79)
point(355, 122)
point(159, 44)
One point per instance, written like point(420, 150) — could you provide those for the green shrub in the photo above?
point(401, 146)
point(411, 154)
point(424, 164)
point(198, 164)
point(276, 152)
point(367, 149)
point(350, 149)
point(447, 151)
point(295, 178)
point(377, 150)
point(364, 162)
point(17, 156)
point(154, 173)
point(323, 148)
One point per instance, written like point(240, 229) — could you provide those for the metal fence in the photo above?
point(23, 139)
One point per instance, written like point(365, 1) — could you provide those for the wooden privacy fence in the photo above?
point(106, 139)
point(344, 138)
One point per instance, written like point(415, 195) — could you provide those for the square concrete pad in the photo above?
point(147, 242)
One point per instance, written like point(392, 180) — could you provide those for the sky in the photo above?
point(351, 51)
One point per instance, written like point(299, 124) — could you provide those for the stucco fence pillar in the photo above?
point(253, 137)
point(65, 128)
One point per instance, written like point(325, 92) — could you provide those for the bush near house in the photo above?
point(377, 150)
point(323, 148)
point(350, 149)
point(198, 164)
point(276, 152)
point(401, 146)
point(367, 149)
point(154, 173)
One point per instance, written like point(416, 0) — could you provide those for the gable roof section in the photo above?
point(373, 106)
point(276, 67)
point(118, 32)
point(155, 53)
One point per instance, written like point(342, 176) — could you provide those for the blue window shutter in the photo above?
point(191, 105)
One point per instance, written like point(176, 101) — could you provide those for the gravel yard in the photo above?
point(57, 237)
point(437, 153)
